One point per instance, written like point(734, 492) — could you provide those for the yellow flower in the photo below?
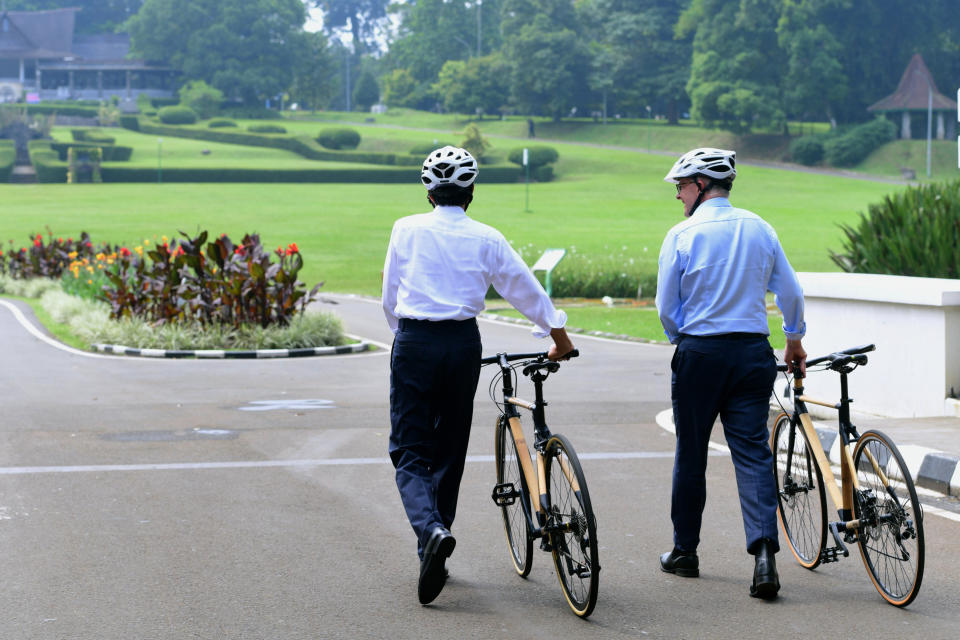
point(89, 281)
point(72, 255)
point(146, 243)
point(89, 269)
point(139, 251)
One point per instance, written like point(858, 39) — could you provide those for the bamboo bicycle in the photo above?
point(559, 513)
point(877, 502)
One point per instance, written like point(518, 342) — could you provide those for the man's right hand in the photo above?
point(795, 352)
point(561, 345)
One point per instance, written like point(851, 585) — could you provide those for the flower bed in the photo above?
point(187, 293)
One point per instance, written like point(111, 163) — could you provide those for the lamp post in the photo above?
point(479, 26)
point(159, 161)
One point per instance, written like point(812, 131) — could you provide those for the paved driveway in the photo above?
point(253, 499)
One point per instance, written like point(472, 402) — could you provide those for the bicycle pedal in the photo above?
point(504, 494)
point(831, 554)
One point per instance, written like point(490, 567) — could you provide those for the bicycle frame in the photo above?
point(533, 477)
point(843, 496)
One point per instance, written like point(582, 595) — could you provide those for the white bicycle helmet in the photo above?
point(448, 165)
point(718, 164)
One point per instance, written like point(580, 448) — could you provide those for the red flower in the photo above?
point(37, 242)
point(89, 245)
point(238, 251)
point(292, 249)
point(124, 252)
point(279, 251)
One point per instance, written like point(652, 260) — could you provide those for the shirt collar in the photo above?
point(712, 203)
point(445, 210)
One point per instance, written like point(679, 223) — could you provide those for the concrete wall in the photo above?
point(915, 324)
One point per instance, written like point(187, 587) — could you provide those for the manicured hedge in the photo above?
point(47, 162)
point(339, 138)
point(807, 150)
point(177, 115)
point(63, 110)
point(301, 145)
point(92, 135)
point(111, 153)
point(266, 128)
point(392, 175)
point(217, 123)
point(856, 144)
point(421, 150)
point(130, 122)
point(537, 155)
point(8, 155)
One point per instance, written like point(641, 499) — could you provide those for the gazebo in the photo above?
point(914, 95)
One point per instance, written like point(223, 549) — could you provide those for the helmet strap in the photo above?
point(699, 200)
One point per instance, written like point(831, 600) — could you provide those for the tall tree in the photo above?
point(735, 71)
point(549, 60)
point(316, 77)
point(361, 17)
point(246, 48)
point(637, 56)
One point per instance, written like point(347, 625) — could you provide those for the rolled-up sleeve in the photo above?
point(669, 304)
point(516, 283)
point(788, 295)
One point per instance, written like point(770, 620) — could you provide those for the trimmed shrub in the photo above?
point(543, 173)
point(219, 123)
point(266, 128)
point(379, 175)
point(111, 153)
point(8, 155)
point(63, 110)
point(913, 233)
point(177, 115)
point(421, 150)
point(159, 103)
point(537, 156)
point(47, 163)
point(202, 98)
point(251, 113)
point(857, 143)
point(807, 150)
point(92, 135)
point(130, 122)
point(339, 138)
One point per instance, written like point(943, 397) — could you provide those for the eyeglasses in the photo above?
point(681, 185)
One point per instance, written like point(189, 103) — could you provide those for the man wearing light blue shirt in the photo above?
point(715, 268)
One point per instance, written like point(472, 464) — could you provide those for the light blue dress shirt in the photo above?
point(715, 269)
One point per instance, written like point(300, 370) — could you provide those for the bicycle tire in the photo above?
point(801, 496)
point(517, 515)
point(891, 520)
point(572, 526)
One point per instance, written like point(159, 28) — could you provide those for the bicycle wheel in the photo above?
point(515, 515)
point(571, 526)
point(891, 519)
point(801, 496)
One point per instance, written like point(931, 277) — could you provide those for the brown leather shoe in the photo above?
point(681, 563)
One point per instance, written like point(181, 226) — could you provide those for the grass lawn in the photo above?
point(637, 320)
point(603, 200)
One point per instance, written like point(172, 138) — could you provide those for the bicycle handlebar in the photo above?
point(838, 359)
point(510, 357)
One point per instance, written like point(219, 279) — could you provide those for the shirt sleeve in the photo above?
point(514, 281)
point(788, 294)
point(669, 305)
point(391, 280)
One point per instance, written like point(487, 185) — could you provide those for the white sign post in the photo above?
point(548, 262)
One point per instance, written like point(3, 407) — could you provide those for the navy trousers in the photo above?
point(434, 369)
point(731, 376)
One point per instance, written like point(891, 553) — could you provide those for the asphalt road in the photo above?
point(146, 498)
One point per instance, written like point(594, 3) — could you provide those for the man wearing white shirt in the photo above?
point(438, 269)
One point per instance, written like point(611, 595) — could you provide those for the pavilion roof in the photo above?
point(37, 34)
point(913, 92)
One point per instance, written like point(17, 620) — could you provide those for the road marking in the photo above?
point(288, 405)
point(261, 464)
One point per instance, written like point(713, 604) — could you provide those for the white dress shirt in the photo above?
point(440, 265)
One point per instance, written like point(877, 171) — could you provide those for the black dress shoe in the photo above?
point(766, 582)
point(433, 573)
point(682, 563)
